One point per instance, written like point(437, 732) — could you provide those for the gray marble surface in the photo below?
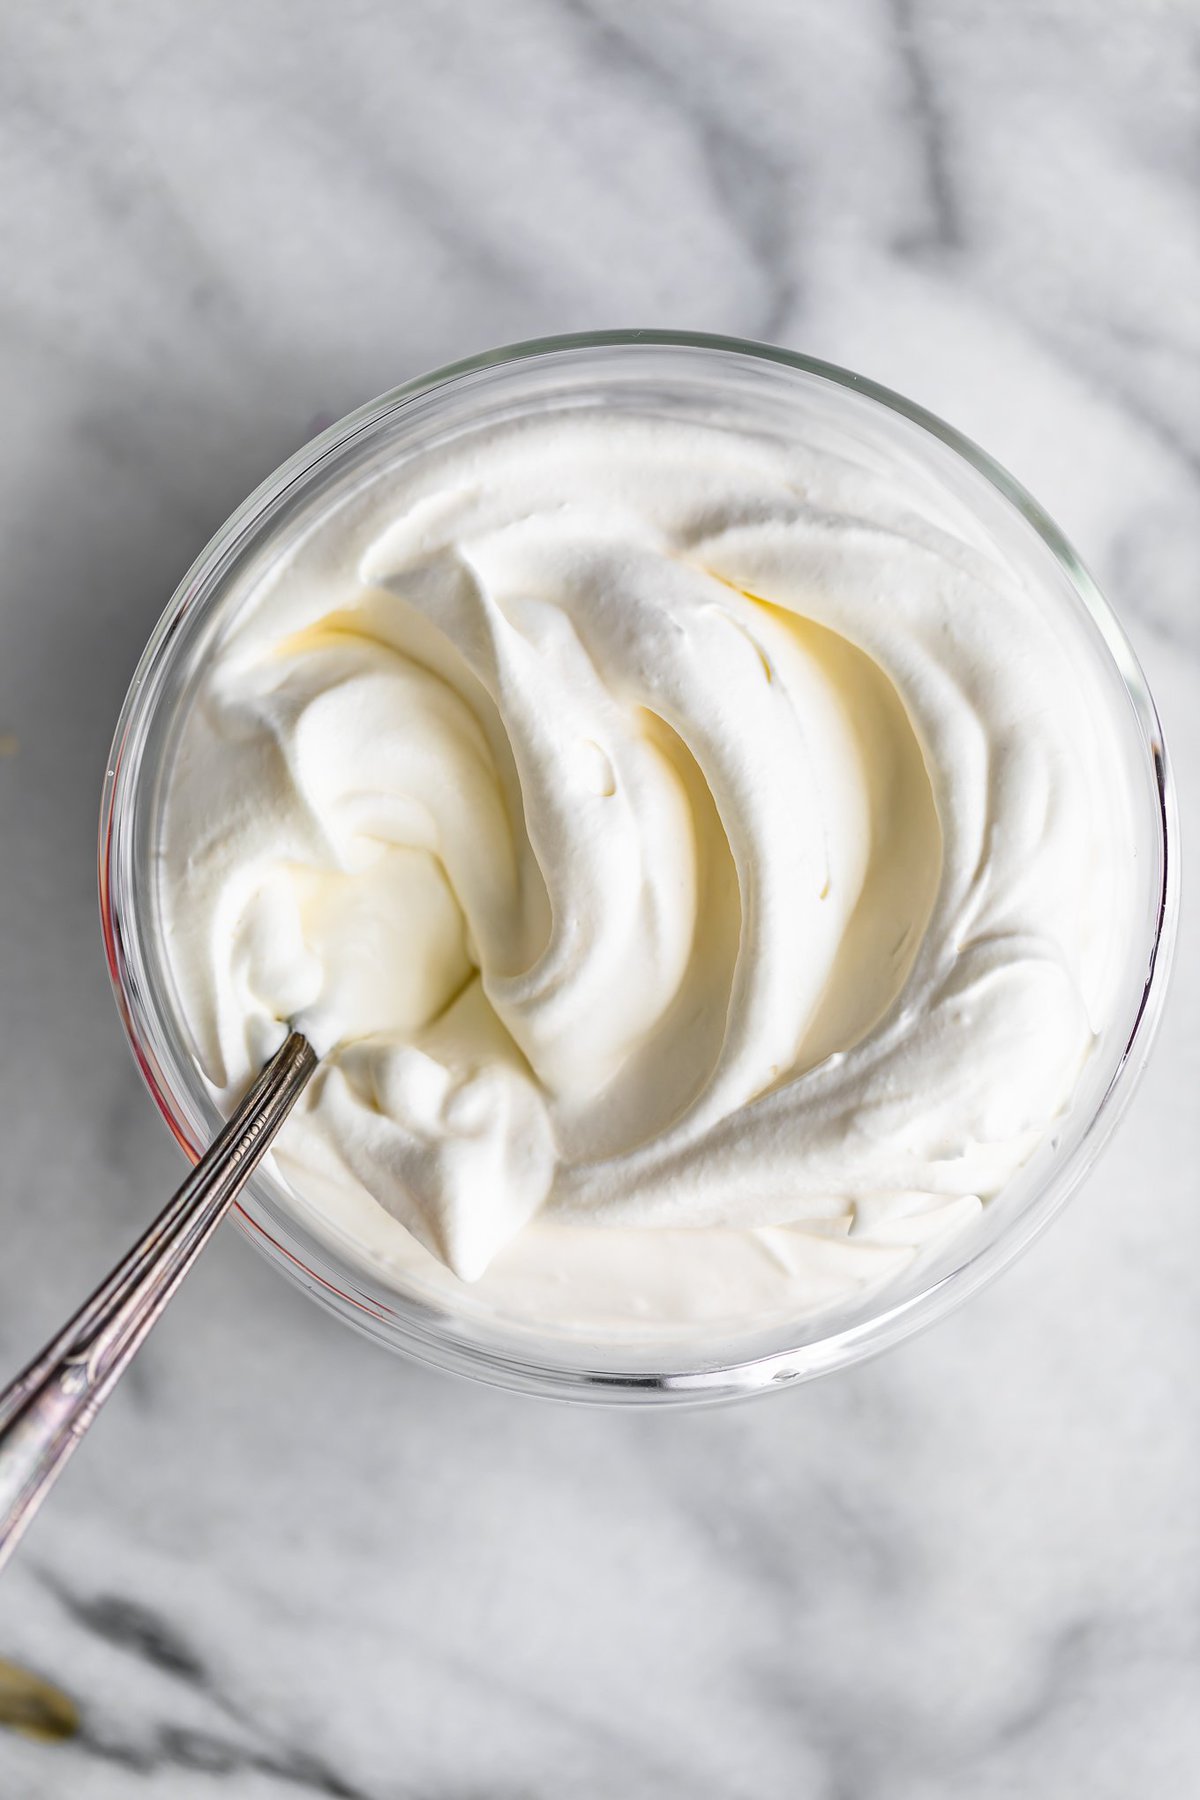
point(287, 1564)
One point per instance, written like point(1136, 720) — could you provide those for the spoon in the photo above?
point(47, 1409)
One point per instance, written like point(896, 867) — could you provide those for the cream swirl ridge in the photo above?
point(657, 828)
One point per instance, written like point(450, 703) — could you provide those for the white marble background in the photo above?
point(287, 1564)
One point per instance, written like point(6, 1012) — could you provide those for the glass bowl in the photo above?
point(672, 373)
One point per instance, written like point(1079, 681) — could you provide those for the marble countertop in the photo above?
point(287, 1564)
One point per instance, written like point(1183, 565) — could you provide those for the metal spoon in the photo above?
point(47, 1409)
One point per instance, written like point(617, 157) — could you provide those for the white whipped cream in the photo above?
point(703, 873)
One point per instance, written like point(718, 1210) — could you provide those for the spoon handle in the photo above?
point(47, 1409)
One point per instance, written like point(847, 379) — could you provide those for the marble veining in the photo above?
point(285, 1564)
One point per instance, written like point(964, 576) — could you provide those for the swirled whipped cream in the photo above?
point(701, 870)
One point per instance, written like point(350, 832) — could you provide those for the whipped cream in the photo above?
point(699, 865)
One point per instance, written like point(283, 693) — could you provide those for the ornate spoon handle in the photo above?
point(47, 1409)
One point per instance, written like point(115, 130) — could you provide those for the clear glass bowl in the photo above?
point(669, 373)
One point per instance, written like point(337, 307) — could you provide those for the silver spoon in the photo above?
point(47, 1409)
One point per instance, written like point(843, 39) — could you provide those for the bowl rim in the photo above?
point(844, 1347)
